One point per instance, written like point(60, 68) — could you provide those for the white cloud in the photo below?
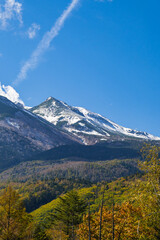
point(10, 93)
point(10, 10)
point(45, 43)
point(32, 31)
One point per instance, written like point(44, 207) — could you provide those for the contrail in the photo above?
point(44, 44)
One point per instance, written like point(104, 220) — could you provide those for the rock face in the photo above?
point(87, 126)
point(23, 134)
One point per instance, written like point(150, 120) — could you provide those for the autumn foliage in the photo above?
point(125, 209)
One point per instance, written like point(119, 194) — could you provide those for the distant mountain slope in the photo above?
point(89, 127)
point(22, 134)
point(43, 181)
point(94, 153)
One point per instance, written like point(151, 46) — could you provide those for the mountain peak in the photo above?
point(55, 102)
point(89, 127)
point(50, 98)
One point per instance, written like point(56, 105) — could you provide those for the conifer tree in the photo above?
point(14, 220)
point(69, 212)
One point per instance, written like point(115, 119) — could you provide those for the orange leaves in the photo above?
point(126, 219)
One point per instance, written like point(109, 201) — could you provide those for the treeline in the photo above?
point(40, 182)
point(124, 209)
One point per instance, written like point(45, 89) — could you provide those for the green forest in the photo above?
point(70, 204)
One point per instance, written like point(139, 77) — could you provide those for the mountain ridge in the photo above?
point(85, 124)
point(23, 134)
point(26, 133)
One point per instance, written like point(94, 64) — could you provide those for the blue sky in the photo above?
point(105, 58)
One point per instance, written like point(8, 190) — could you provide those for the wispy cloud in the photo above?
point(32, 31)
point(10, 10)
point(104, 0)
point(45, 43)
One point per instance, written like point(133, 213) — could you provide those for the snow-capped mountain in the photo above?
point(87, 126)
point(11, 94)
point(22, 134)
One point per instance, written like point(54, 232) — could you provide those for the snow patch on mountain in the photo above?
point(11, 94)
point(13, 123)
point(77, 121)
point(107, 125)
point(81, 122)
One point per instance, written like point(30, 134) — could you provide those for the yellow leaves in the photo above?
point(136, 221)
point(151, 163)
point(126, 219)
point(14, 220)
point(57, 234)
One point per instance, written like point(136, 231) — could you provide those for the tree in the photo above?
point(14, 221)
point(149, 190)
point(89, 221)
point(69, 213)
point(151, 164)
point(57, 233)
point(40, 233)
point(126, 218)
point(101, 216)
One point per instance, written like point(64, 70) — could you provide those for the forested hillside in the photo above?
point(42, 181)
point(126, 208)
